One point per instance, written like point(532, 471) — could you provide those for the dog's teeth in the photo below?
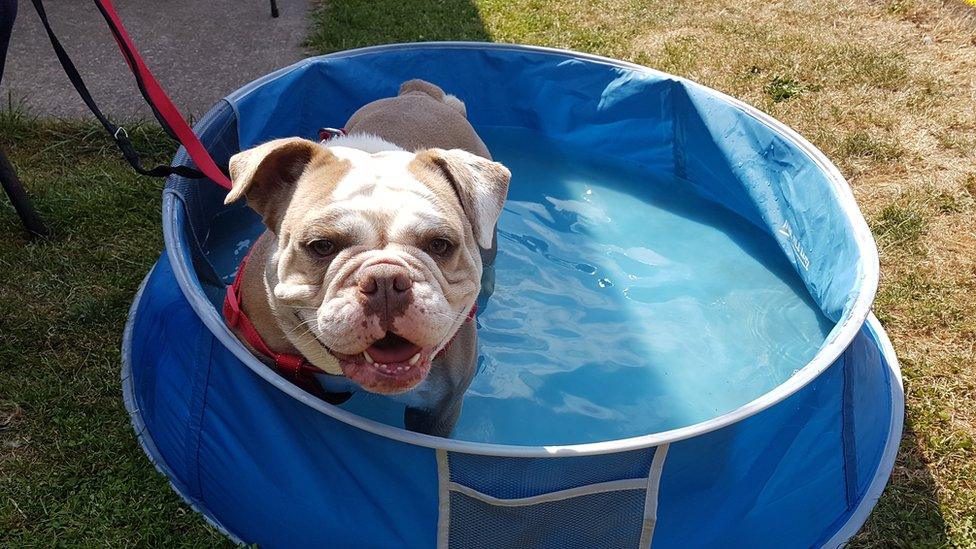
point(399, 368)
point(367, 357)
point(414, 359)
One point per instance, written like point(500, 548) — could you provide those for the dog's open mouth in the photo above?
point(390, 365)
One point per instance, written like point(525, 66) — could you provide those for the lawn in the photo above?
point(886, 89)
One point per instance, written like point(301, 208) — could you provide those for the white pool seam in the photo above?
point(443, 500)
point(651, 496)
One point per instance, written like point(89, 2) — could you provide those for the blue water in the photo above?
point(624, 304)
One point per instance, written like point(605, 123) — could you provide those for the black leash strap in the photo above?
point(9, 181)
point(118, 133)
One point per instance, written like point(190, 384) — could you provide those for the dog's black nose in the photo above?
point(385, 289)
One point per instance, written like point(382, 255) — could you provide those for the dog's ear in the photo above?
point(267, 175)
point(480, 185)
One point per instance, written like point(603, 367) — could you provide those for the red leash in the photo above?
point(164, 110)
point(158, 99)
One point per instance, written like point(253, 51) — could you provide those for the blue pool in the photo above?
point(678, 350)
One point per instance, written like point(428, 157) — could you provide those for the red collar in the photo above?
point(293, 367)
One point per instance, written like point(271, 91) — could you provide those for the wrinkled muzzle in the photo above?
point(386, 321)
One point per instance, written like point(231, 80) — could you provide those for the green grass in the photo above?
point(863, 145)
point(71, 471)
point(345, 25)
point(899, 225)
point(783, 88)
point(865, 81)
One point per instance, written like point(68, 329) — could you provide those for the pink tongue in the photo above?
point(392, 349)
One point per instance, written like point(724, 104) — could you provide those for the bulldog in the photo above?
point(376, 243)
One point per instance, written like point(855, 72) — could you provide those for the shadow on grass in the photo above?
point(343, 25)
point(908, 513)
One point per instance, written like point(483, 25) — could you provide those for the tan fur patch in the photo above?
point(321, 176)
point(480, 186)
point(432, 177)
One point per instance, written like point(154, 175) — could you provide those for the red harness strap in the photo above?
point(294, 368)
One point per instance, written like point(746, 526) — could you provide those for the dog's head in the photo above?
point(377, 255)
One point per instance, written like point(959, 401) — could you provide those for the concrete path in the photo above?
point(199, 50)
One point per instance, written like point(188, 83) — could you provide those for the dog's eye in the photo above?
point(440, 246)
point(322, 248)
